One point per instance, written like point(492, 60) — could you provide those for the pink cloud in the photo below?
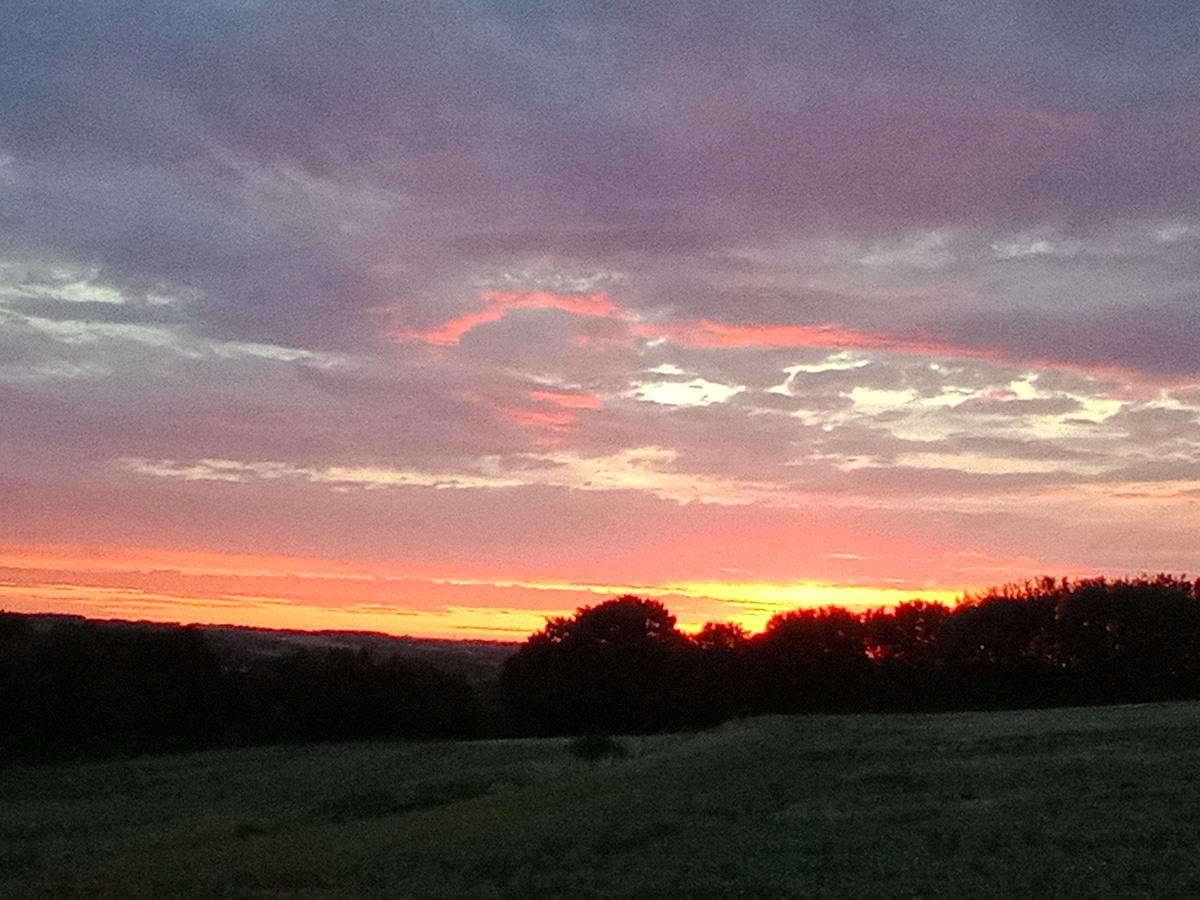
point(556, 416)
point(558, 420)
point(567, 399)
point(499, 304)
point(709, 334)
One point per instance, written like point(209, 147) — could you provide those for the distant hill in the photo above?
point(478, 661)
point(76, 687)
point(238, 646)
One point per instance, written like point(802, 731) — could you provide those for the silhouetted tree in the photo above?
point(71, 687)
point(903, 645)
point(721, 637)
point(812, 659)
point(608, 668)
point(713, 674)
point(343, 694)
point(74, 686)
point(68, 686)
point(1132, 639)
point(909, 632)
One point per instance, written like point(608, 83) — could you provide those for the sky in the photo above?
point(442, 318)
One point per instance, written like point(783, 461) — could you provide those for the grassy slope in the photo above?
point(1061, 803)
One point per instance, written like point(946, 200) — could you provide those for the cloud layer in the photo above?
point(597, 293)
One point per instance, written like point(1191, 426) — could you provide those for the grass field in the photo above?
point(1080, 803)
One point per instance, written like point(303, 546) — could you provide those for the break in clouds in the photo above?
point(546, 281)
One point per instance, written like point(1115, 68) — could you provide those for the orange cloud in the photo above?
point(499, 304)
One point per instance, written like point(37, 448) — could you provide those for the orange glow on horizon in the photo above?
point(455, 623)
point(209, 587)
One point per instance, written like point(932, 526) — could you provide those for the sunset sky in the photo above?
point(440, 318)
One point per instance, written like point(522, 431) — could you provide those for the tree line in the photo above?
point(77, 688)
point(71, 687)
point(623, 666)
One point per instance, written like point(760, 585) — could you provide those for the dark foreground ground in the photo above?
point(1078, 803)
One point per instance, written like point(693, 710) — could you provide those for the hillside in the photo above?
point(237, 645)
point(480, 661)
point(1077, 803)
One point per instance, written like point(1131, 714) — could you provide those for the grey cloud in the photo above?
point(1158, 339)
point(1160, 423)
point(632, 118)
point(310, 175)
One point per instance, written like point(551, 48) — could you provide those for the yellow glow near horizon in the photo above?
point(753, 604)
point(203, 587)
point(452, 622)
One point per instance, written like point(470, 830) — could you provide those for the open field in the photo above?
point(1079, 803)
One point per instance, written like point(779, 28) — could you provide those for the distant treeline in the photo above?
point(622, 666)
point(71, 687)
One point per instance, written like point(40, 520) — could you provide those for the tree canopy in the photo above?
point(608, 667)
point(70, 687)
point(624, 666)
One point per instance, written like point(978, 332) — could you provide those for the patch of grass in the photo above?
point(595, 747)
point(1051, 803)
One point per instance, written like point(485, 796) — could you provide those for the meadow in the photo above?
point(1085, 802)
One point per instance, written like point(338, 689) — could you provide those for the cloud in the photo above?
point(382, 278)
point(567, 399)
point(500, 303)
point(696, 392)
point(648, 469)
